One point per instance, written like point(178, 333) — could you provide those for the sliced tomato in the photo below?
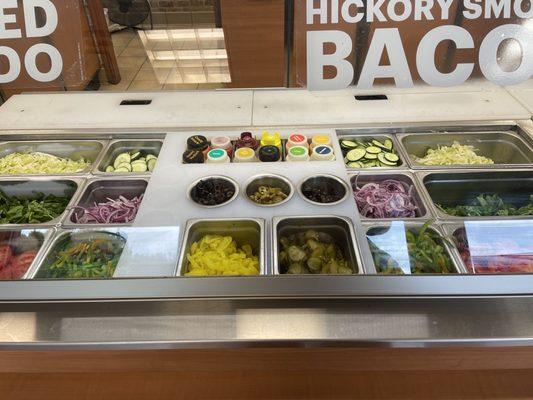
point(21, 263)
point(6, 255)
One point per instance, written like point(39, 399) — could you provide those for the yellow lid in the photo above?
point(321, 139)
point(271, 139)
point(244, 153)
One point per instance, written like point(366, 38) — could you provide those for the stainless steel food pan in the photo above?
point(506, 149)
point(340, 228)
point(90, 150)
point(100, 190)
point(150, 146)
point(462, 187)
point(249, 231)
point(406, 178)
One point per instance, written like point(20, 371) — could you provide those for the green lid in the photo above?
point(298, 151)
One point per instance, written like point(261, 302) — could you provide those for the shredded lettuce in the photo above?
point(453, 155)
point(40, 163)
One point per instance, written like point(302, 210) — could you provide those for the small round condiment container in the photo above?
point(193, 157)
point(298, 153)
point(297, 139)
point(322, 153)
point(254, 183)
point(217, 156)
point(320, 140)
point(193, 193)
point(324, 190)
point(244, 154)
point(271, 139)
point(269, 154)
point(222, 142)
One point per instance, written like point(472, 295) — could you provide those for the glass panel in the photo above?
point(496, 247)
point(402, 248)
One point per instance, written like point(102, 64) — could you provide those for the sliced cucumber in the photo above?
point(122, 166)
point(110, 168)
point(392, 157)
point(122, 158)
point(377, 143)
point(355, 154)
point(355, 164)
point(151, 164)
point(348, 144)
point(371, 156)
point(388, 144)
point(383, 160)
point(373, 150)
point(135, 155)
point(122, 169)
point(139, 167)
point(150, 157)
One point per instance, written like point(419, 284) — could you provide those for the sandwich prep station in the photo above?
point(415, 229)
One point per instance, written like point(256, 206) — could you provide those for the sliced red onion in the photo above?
point(113, 211)
point(386, 199)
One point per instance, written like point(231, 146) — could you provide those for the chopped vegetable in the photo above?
point(425, 251)
point(88, 259)
point(386, 199)
point(312, 252)
point(369, 154)
point(35, 210)
point(268, 195)
point(215, 255)
point(456, 154)
point(113, 211)
point(14, 266)
point(133, 161)
point(487, 206)
point(498, 255)
point(40, 163)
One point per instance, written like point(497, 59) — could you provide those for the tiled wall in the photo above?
point(181, 5)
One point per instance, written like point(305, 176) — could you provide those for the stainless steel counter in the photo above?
point(240, 323)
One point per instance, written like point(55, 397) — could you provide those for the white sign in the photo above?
point(32, 30)
point(389, 41)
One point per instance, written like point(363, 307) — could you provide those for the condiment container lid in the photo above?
point(298, 153)
point(297, 139)
point(217, 155)
point(323, 153)
point(244, 154)
point(197, 142)
point(269, 153)
point(220, 142)
point(193, 157)
point(321, 140)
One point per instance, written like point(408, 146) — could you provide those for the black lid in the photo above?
point(193, 157)
point(269, 153)
point(197, 142)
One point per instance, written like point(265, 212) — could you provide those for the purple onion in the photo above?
point(386, 199)
point(113, 211)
